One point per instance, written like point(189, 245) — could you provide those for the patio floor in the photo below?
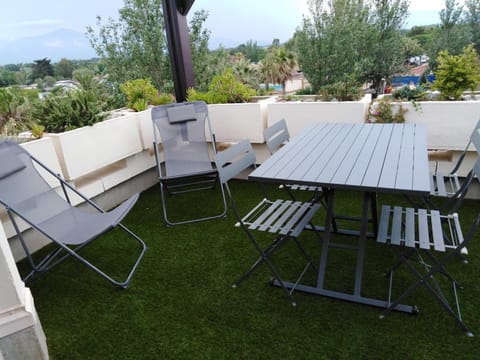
point(180, 303)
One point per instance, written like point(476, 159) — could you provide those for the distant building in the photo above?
point(412, 76)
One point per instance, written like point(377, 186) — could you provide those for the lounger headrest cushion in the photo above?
point(9, 163)
point(179, 114)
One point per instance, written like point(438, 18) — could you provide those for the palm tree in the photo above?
point(267, 69)
point(284, 65)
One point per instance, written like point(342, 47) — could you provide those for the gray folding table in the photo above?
point(369, 158)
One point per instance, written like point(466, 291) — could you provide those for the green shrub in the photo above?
point(307, 91)
point(37, 131)
point(162, 99)
point(410, 94)
point(348, 90)
point(382, 111)
point(225, 88)
point(194, 95)
point(75, 108)
point(457, 73)
point(139, 92)
point(15, 104)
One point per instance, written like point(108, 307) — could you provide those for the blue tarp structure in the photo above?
point(398, 81)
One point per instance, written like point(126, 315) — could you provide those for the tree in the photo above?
point(410, 47)
point(328, 43)
point(42, 68)
point(7, 78)
point(135, 46)
point(449, 35)
point(342, 38)
point(199, 38)
point(449, 19)
point(472, 18)
point(384, 49)
point(245, 71)
point(251, 50)
point(284, 64)
point(267, 70)
point(422, 34)
point(64, 69)
point(457, 73)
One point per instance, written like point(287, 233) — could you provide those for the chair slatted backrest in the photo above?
point(460, 159)
point(23, 189)
point(234, 160)
point(182, 132)
point(276, 135)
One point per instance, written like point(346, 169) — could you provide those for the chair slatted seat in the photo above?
point(444, 185)
point(406, 223)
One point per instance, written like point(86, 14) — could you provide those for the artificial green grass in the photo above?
point(180, 303)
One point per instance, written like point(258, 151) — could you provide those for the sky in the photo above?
point(229, 21)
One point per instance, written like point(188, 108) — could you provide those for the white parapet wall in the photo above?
point(99, 157)
point(235, 122)
point(449, 125)
point(299, 114)
point(21, 334)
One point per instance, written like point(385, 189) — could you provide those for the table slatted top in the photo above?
point(366, 157)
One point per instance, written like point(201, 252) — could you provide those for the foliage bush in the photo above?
point(139, 92)
point(410, 94)
point(162, 99)
point(67, 109)
point(307, 91)
point(225, 88)
point(75, 108)
point(15, 104)
point(382, 111)
point(457, 73)
point(348, 90)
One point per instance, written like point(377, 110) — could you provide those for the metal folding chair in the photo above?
point(27, 196)
point(415, 235)
point(283, 219)
point(186, 165)
point(275, 137)
point(449, 185)
point(421, 233)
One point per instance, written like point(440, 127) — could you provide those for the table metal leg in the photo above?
point(369, 203)
point(330, 195)
point(362, 244)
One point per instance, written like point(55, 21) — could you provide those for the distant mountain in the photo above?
point(62, 43)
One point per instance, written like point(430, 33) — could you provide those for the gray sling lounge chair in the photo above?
point(26, 195)
point(187, 164)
